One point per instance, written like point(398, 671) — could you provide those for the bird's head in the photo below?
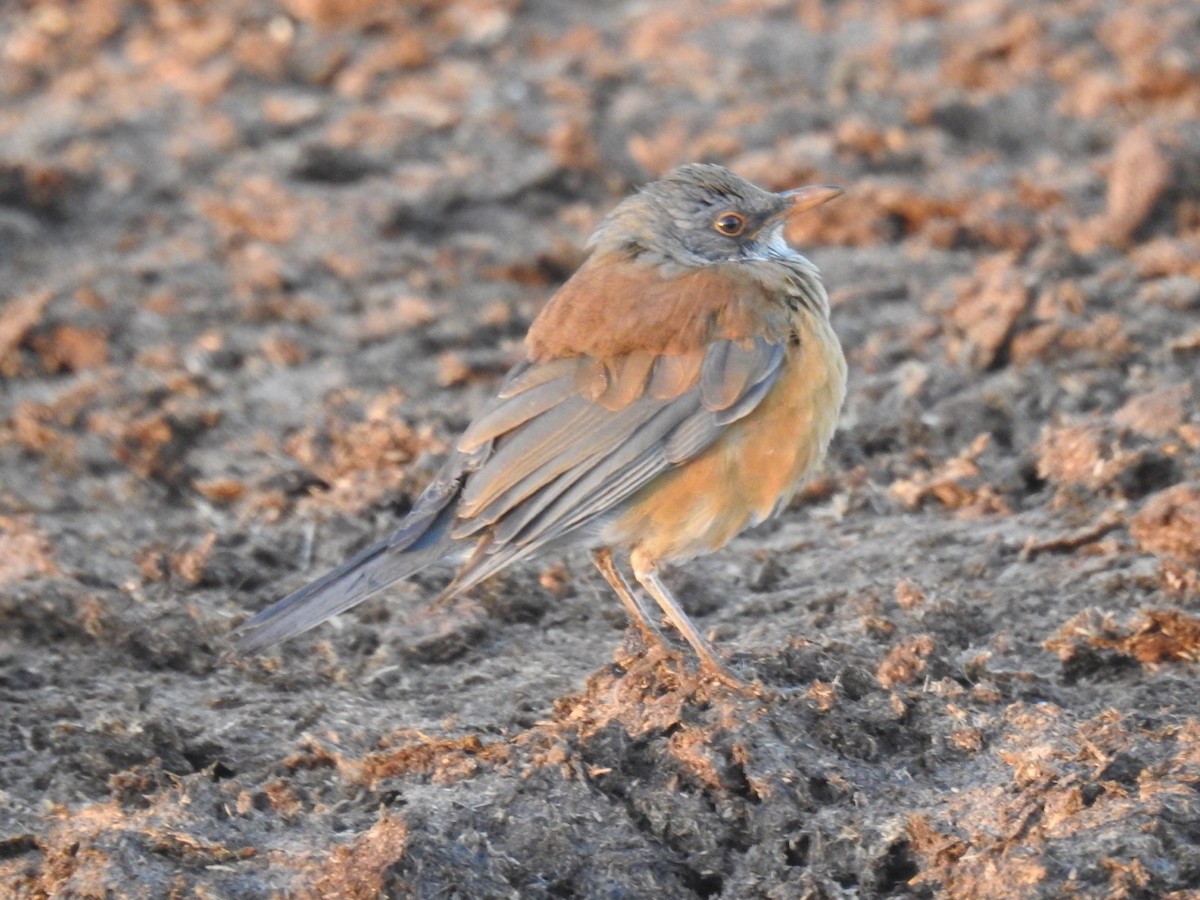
point(702, 214)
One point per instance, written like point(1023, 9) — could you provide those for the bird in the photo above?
point(678, 388)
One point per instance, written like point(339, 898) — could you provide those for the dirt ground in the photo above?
point(259, 262)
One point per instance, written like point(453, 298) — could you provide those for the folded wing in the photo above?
point(561, 446)
point(555, 469)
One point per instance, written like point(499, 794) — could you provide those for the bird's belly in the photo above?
point(751, 470)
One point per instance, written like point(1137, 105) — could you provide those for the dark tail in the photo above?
point(420, 541)
point(348, 585)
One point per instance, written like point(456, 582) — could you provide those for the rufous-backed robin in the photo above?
point(677, 389)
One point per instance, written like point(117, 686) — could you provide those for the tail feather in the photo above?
point(349, 584)
point(420, 541)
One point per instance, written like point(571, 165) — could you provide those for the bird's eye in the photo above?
point(730, 224)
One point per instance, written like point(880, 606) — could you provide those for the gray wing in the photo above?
point(562, 443)
point(557, 455)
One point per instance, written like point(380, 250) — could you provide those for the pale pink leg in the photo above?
point(646, 574)
point(637, 616)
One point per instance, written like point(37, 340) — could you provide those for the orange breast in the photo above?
point(752, 469)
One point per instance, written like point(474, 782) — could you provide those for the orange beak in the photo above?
point(810, 197)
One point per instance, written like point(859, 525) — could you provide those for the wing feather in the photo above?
point(526, 467)
point(627, 379)
point(542, 448)
point(503, 417)
point(673, 374)
point(527, 375)
point(730, 368)
point(608, 468)
point(574, 463)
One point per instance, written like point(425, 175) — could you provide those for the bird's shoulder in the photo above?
point(614, 306)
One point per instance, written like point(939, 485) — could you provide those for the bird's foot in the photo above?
point(715, 671)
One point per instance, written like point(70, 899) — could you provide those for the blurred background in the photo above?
point(260, 261)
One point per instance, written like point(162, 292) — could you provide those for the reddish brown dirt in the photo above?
point(259, 262)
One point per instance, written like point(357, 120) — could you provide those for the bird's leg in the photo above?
point(637, 616)
point(647, 575)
